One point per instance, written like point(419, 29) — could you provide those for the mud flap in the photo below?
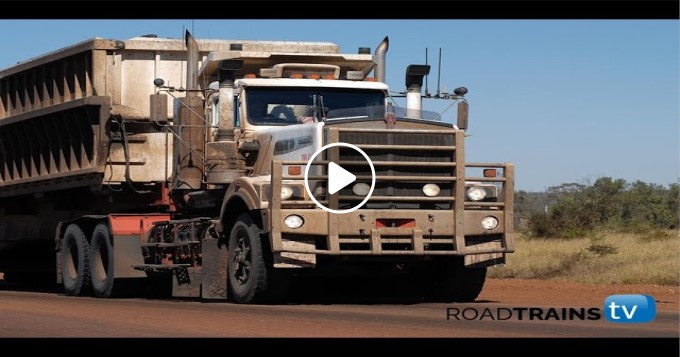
point(58, 260)
point(58, 244)
point(214, 260)
point(186, 282)
point(127, 251)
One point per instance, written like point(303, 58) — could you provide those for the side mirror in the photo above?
point(462, 115)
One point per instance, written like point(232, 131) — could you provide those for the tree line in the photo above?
point(575, 210)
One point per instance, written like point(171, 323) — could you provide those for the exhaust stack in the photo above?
point(380, 59)
point(192, 64)
point(414, 85)
point(189, 126)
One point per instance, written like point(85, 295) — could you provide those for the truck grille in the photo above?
point(410, 154)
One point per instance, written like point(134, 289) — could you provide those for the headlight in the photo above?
point(286, 192)
point(489, 222)
point(361, 189)
point(431, 190)
point(294, 221)
point(476, 193)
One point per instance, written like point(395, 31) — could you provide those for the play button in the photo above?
point(337, 179)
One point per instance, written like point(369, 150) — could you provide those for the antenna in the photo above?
point(439, 70)
point(427, 91)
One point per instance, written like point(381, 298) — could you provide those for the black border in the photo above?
point(370, 346)
point(413, 9)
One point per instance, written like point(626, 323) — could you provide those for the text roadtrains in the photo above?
point(523, 313)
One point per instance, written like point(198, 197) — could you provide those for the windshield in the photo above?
point(293, 105)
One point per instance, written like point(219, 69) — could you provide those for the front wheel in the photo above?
point(251, 278)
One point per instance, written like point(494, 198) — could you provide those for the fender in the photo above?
point(86, 223)
point(251, 192)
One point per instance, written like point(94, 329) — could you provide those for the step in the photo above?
point(156, 267)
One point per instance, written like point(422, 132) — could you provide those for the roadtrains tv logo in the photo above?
point(617, 309)
point(629, 308)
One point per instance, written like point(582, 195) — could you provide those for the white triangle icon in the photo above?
point(338, 178)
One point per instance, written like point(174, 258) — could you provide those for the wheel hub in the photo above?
point(243, 260)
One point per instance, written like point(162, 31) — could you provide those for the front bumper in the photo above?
point(421, 232)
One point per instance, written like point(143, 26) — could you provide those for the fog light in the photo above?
point(286, 192)
point(476, 193)
point(489, 223)
point(293, 221)
point(361, 189)
point(431, 190)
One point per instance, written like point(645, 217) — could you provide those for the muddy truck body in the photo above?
point(183, 161)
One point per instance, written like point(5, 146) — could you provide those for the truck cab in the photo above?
point(278, 109)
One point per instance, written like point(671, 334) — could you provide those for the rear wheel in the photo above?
point(101, 261)
point(75, 269)
point(251, 278)
point(453, 282)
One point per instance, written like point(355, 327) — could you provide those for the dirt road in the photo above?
point(49, 314)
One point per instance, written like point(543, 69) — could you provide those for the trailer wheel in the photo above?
point(75, 262)
point(457, 283)
point(246, 268)
point(101, 261)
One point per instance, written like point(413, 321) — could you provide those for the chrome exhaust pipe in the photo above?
point(380, 59)
point(192, 64)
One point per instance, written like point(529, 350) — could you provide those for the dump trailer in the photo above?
point(189, 162)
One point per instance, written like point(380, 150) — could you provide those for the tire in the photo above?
point(251, 278)
point(457, 283)
point(101, 262)
point(75, 270)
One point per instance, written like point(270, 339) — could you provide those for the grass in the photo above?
point(648, 258)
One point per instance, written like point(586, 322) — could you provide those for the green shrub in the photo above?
point(574, 210)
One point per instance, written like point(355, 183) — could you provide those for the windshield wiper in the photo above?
point(323, 110)
point(301, 118)
point(316, 109)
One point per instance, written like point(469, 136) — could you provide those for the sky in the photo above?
point(565, 100)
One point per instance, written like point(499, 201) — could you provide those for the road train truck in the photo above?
point(194, 162)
